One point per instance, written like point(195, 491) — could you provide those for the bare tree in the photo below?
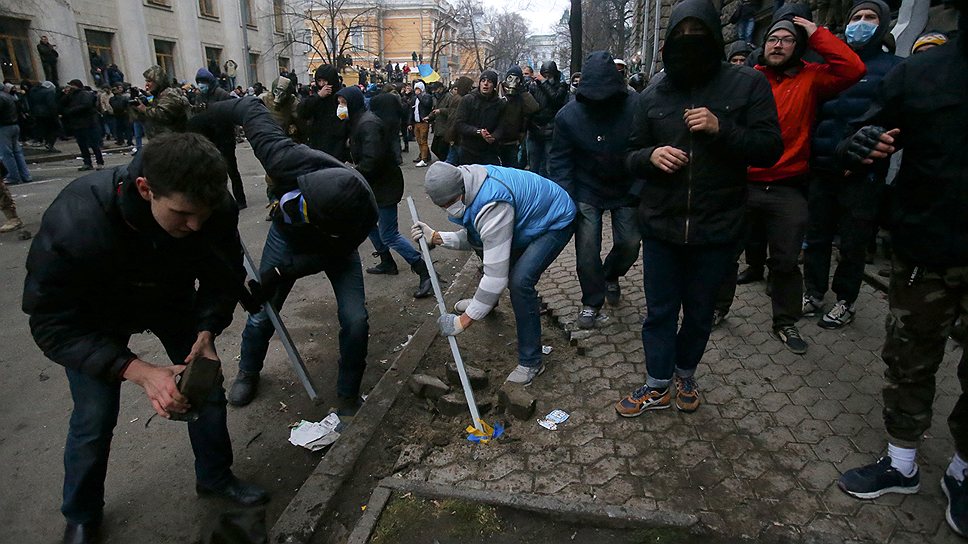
point(509, 34)
point(607, 25)
point(335, 27)
point(444, 34)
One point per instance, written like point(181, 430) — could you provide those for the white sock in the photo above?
point(903, 459)
point(957, 467)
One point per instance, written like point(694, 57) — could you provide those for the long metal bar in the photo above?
point(442, 306)
point(283, 333)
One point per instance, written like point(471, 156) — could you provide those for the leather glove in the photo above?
point(259, 292)
point(862, 143)
point(421, 229)
point(450, 324)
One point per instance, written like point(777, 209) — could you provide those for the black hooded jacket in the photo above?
point(389, 108)
point(371, 150)
point(101, 268)
point(340, 204)
point(325, 132)
point(704, 201)
point(552, 95)
point(926, 97)
point(591, 134)
point(475, 112)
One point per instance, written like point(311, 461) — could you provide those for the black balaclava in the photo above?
point(692, 60)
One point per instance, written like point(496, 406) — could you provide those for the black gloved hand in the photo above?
point(257, 293)
point(863, 142)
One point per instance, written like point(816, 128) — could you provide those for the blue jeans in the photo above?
point(12, 155)
point(453, 156)
point(139, 132)
point(685, 277)
point(346, 276)
point(592, 273)
point(95, 414)
point(744, 29)
point(386, 236)
point(527, 265)
point(538, 150)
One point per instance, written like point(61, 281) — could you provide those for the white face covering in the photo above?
point(457, 209)
point(342, 112)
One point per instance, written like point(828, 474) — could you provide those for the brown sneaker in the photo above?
point(11, 225)
point(687, 395)
point(642, 399)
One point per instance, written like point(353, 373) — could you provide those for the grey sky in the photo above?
point(542, 15)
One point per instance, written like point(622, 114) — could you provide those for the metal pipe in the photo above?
point(442, 306)
point(645, 32)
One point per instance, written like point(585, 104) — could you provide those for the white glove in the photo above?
point(450, 325)
point(421, 229)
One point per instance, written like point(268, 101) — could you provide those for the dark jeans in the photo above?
point(844, 206)
point(96, 405)
point(12, 155)
point(509, 155)
point(47, 129)
point(386, 236)
point(782, 210)
point(453, 155)
point(124, 131)
point(755, 250)
point(921, 318)
point(50, 71)
point(346, 276)
point(626, 237)
point(232, 165)
point(538, 150)
point(440, 147)
point(89, 141)
point(527, 265)
point(679, 277)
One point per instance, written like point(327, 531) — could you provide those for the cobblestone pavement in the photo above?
point(760, 458)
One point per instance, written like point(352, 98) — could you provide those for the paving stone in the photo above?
point(455, 404)
point(516, 401)
point(476, 376)
point(428, 387)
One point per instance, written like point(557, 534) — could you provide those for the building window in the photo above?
point(99, 49)
point(249, 15)
point(164, 3)
point(283, 64)
point(254, 66)
point(213, 59)
point(277, 12)
point(165, 56)
point(356, 37)
point(16, 61)
point(207, 8)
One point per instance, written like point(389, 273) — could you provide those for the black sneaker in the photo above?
point(874, 480)
point(613, 293)
point(750, 275)
point(718, 317)
point(838, 316)
point(587, 317)
point(957, 511)
point(790, 336)
point(812, 306)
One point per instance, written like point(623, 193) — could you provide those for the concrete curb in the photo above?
point(572, 511)
point(299, 521)
point(67, 156)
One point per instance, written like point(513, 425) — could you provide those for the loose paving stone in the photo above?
point(476, 376)
point(428, 387)
point(759, 460)
point(454, 404)
point(516, 401)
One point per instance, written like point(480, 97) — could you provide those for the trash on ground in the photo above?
point(315, 435)
point(546, 349)
point(553, 419)
point(403, 345)
point(489, 433)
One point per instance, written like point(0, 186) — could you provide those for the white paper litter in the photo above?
point(546, 350)
point(315, 435)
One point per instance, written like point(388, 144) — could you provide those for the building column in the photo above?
point(191, 52)
point(134, 45)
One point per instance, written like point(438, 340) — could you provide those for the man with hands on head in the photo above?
point(521, 222)
point(695, 132)
point(160, 225)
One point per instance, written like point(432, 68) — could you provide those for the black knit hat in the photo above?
point(489, 75)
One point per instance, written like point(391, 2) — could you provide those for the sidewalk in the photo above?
point(66, 149)
point(760, 458)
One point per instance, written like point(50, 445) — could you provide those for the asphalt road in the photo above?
point(150, 494)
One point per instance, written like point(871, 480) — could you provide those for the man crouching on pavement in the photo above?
point(521, 221)
point(119, 252)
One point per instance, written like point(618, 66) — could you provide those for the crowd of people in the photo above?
point(778, 153)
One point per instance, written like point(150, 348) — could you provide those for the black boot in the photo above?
point(750, 275)
point(426, 288)
point(244, 388)
point(386, 266)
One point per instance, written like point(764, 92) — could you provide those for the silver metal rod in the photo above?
point(442, 306)
point(283, 333)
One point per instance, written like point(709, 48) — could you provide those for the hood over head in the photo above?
point(464, 85)
point(354, 100)
point(340, 205)
point(513, 79)
point(48, 85)
point(884, 16)
point(327, 72)
point(549, 70)
point(783, 18)
point(739, 47)
point(692, 60)
point(600, 78)
point(203, 75)
point(420, 85)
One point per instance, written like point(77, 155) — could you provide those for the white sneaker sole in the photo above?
point(947, 510)
point(885, 491)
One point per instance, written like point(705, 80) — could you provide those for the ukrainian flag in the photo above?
point(428, 74)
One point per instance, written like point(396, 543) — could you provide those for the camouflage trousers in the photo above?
point(6, 199)
point(924, 305)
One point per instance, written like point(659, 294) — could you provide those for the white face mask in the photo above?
point(457, 209)
point(342, 112)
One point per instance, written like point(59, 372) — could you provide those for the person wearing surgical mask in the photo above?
point(844, 202)
point(209, 93)
point(519, 222)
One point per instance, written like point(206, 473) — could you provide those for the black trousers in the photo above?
point(232, 165)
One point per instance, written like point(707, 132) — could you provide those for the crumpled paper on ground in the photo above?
point(315, 435)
